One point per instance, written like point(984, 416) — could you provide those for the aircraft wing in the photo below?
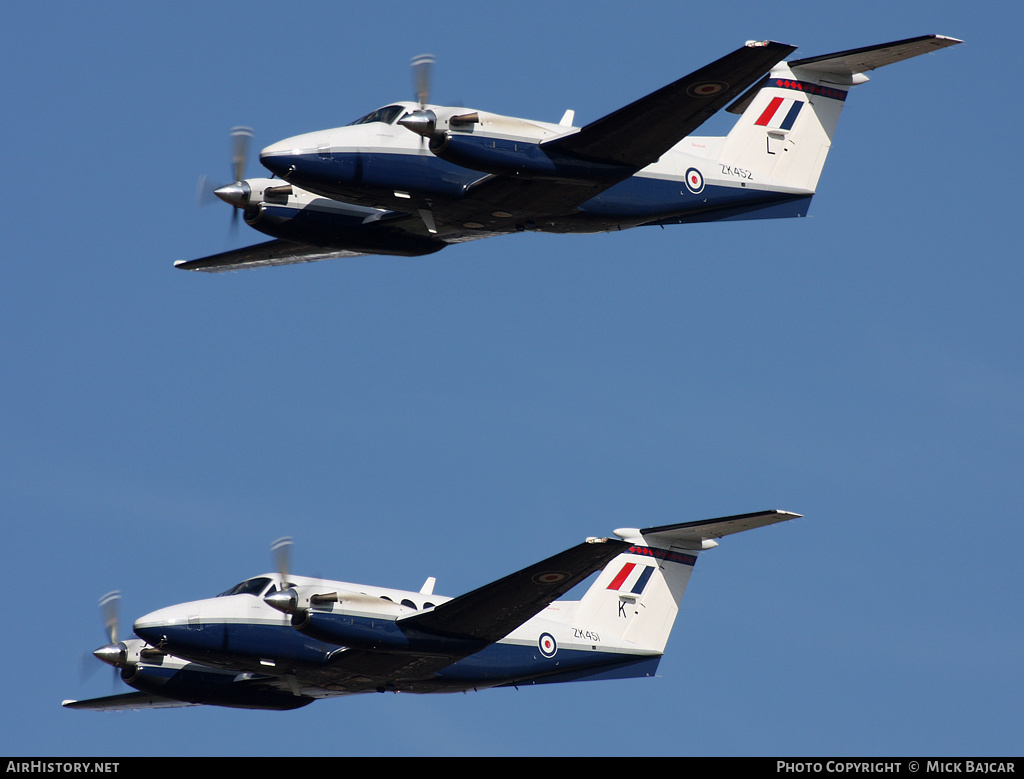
point(632, 137)
point(125, 702)
point(275, 252)
point(486, 614)
point(491, 612)
point(639, 133)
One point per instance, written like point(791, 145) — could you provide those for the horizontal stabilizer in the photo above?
point(693, 534)
point(849, 63)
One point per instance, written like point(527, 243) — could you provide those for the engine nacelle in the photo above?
point(293, 214)
point(382, 634)
point(526, 159)
point(199, 685)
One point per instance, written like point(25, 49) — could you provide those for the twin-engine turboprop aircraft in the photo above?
point(410, 178)
point(278, 641)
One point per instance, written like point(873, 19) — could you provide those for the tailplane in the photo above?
point(788, 120)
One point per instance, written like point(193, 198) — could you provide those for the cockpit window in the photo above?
point(273, 588)
point(248, 587)
point(386, 115)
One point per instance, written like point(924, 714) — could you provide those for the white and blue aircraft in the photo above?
point(411, 178)
point(278, 641)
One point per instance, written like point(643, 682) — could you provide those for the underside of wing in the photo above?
point(263, 254)
point(639, 133)
point(126, 702)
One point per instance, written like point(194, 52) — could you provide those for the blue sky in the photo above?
point(466, 414)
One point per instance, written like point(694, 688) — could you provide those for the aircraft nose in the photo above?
point(153, 627)
point(278, 157)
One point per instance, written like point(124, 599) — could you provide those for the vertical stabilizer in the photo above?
point(636, 597)
point(786, 129)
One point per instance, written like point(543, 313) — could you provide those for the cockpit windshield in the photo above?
point(387, 115)
point(248, 587)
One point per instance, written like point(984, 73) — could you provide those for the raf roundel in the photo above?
point(694, 181)
point(550, 577)
point(546, 644)
point(706, 88)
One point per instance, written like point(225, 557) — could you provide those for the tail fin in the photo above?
point(636, 597)
point(789, 119)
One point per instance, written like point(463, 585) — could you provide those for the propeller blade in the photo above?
point(110, 607)
point(240, 140)
point(422, 70)
point(281, 550)
point(205, 191)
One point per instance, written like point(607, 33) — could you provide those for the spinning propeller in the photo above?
point(113, 653)
point(284, 598)
point(424, 121)
point(297, 600)
point(422, 73)
point(236, 194)
point(110, 607)
point(281, 550)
